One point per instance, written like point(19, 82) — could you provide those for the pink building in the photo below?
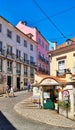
point(42, 48)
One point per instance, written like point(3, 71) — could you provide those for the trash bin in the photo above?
point(48, 104)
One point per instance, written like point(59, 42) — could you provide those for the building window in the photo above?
point(25, 82)
point(18, 53)
point(46, 48)
point(0, 65)
point(31, 59)
point(43, 44)
point(9, 66)
point(0, 27)
point(31, 47)
point(25, 57)
point(39, 41)
point(9, 33)
point(0, 46)
point(18, 38)
point(31, 72)
point(25, 70)
point(61, 66)
point(25, 43)
point(18, 68)
point(9, 49)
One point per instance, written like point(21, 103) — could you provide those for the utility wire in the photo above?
point(50, 20)
point(56, 14)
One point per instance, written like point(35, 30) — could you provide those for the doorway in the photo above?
point(18, 83)
point(9, 80)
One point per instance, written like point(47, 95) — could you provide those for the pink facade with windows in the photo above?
point(42, 48)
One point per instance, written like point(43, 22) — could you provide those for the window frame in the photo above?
point(9, 33)
point(31, 47)
point(0, 27)
point(18, 38)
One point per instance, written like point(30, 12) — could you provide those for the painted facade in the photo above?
point(63, 59)
point(42, 47)
point(62, 62)
point(17, 57)
point(57, 94)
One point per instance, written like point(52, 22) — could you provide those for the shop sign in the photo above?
point(65, 94)
point(49, 82)
point(46, 95)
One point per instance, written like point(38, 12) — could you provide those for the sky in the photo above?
point(55, 19)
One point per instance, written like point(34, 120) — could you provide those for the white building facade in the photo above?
point(17, 57)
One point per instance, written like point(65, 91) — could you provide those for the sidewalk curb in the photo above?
point(40, 114)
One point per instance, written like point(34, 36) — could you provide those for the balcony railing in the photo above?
point(62, 72)
point(25, 74)
point(26, 61)
point(10, 55)
point(18, 72)
point(43, 59)
point(9, 70)
point(32, 63)
point(2, 52)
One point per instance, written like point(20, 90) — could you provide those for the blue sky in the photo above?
point(61, 12)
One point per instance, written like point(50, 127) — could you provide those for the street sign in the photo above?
point(65, 93)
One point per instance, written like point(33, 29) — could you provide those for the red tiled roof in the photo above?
point(64, 44)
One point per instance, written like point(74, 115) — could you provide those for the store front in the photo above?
point(49, 93)
point(58, 94)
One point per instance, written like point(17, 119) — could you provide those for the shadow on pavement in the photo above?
point(5, 123)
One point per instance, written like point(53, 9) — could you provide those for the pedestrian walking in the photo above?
point(28, 87)
point(12, 92)
point(7, 91)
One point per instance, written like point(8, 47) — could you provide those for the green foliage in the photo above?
point(64, 105)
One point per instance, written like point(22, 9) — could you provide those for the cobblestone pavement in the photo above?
point(30, 110)
point(11, 120)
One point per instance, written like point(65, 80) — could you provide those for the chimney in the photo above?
point(54, 45)
point(24, 22)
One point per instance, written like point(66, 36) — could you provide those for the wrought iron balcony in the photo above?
point(13, 56)
point(18, 72)
point(10, 55)
point(9, 70)
point(25, 74)
point(42, 58)
point(26, 61)
point(46, 61)
point(32, 63)
point(62, 72)
point(2, 52)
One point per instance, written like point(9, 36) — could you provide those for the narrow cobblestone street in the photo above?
point(10, 120)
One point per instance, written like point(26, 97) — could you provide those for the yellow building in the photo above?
point(62, 58)
point(62, 65)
